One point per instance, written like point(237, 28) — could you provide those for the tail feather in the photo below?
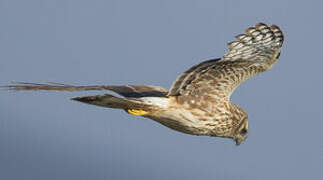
point(110, 101)
point(132, 94)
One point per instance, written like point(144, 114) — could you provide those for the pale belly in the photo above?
point(183, 122)
point(180, 119)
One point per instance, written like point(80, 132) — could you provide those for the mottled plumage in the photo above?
point(198, 102)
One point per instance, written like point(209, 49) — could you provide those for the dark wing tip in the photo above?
point(25, 86)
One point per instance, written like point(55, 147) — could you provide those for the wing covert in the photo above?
point(254, 52)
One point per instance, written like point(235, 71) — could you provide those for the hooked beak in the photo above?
point(238, 142)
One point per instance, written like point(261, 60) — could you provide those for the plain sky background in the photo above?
point(44, 135)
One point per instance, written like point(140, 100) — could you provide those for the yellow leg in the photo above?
point(137, 112)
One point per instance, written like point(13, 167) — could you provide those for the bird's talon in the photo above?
point(137, 112)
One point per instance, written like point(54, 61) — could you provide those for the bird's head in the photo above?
point(241, 132)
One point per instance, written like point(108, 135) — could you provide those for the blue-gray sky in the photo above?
point(44, 135)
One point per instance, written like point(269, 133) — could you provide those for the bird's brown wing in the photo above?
point(133, 91)
point(254, 52)
point(132, 94)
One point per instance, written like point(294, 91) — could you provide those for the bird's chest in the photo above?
point(191, 121)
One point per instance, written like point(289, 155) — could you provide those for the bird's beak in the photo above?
point(238, 141)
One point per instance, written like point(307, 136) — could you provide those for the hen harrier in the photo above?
point(198, 102)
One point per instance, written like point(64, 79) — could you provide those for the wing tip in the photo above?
point(27, 86)
point(260, 33)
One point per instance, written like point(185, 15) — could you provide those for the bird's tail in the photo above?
point(131, 101)
point(131, 105)
point(105, 100)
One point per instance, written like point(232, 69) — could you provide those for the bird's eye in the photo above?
point(244, 131)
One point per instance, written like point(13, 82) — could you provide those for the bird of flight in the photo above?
point(198, 102)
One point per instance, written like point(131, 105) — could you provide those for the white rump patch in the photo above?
point(158, 101)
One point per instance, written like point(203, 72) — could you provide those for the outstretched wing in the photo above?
point(133, 91)
point(214, 81)
point(132, 94)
